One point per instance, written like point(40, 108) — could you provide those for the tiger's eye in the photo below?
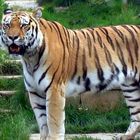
point(23, 25)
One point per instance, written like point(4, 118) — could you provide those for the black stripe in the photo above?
point(84, 65)
point(78, 80)
point(99, 69)
point(39, 106)
point(128, 97)
point(25, 80)
point(58, 30)
point(59, 34)
point(36, 94)
point(83, 33)
point(87, 84)
point(129, 52)
point(119, 33)
point(89, 44)
point(67, 39)
point(133, 28)
point(52, 79)
point(42, 115)
point(77, 52)
point(121, 58)
point(134, 113)
point(133, 39)
point(92, 33)
point(36, 30)
point(50, 25)
point(99, 39)
point(135, 100)
point(136, 70)
point(41, 52)
point(129, 106)
point(116, 69)
point(44, 74)
point(27, 67)
point(37, 24)
point(101, 87)
point(41, 21)
point(130, 90)
point(105, 31)
point(135, 120)
point(44, 125)
point(108, 58)
point(135, 84)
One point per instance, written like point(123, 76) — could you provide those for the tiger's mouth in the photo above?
point(15, 49)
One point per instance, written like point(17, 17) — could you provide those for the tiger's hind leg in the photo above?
point(38, 104)
point(131, 92)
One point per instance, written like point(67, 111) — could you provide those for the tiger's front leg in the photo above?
point(55, 105)
point(38, 104)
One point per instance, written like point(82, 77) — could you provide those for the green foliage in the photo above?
point(90, 14)
point(6, 67)
point(62, 2)
point(1, 8)
point(6, 84)
point(20, 99)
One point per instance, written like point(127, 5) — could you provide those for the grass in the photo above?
point(91, 120)
point(80, 15)
point(6, 68)
point(18, 124)
point(6, 84)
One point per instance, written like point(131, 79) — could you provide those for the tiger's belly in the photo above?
point(92, 83)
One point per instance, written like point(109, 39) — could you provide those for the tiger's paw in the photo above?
point(43, 137)
point(124, 137)
point(55, 138)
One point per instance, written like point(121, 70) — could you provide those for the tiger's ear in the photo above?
point(8, 11)
point(38, 13)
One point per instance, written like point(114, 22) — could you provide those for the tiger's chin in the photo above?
point(15, 49)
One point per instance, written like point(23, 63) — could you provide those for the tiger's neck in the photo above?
point(34, 59)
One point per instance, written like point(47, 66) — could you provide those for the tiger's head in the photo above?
point(20, 31)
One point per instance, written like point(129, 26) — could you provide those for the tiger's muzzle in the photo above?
point(15, 49)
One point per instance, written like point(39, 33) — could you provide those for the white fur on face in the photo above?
point(32, 37)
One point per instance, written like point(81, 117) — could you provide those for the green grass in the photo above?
point(91, 120)
point(7, 68)
point(16, 126)
point(20, 122)
point(80, 15)
point(6, 84)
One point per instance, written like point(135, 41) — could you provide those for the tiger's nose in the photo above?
point(13, 37)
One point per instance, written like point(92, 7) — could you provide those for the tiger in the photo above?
point(59, 62)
